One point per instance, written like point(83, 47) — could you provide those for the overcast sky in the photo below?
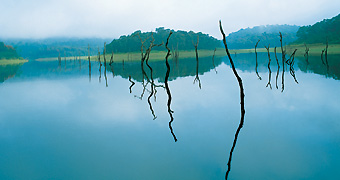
point(113, 18)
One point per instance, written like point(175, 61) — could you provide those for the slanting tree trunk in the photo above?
point(239, 80)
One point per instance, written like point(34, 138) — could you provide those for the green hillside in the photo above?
point(181, 40)
point(320, 32)
point(7, 52)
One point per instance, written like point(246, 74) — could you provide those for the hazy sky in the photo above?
point(113, 18)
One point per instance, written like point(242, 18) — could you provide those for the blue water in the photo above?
point(58, 123)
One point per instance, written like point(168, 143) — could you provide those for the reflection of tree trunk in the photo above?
point(278, 68)
point(105, 75)
point(270, 72)
point(100, 66)
point(306, 53)
point(290, 62)
point(65, 59)
point(132, 83)
point(322, 57)
point(152, 89)
point(59, 61)
point(257, 73)
point(111, 59)
point(79, 61)
point(242, 101)
point(167, 87)
point(213, 62)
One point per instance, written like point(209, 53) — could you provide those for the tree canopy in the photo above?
point(181, 40)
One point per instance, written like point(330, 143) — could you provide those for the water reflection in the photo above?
point(159, 72)
point(315, 66)
point(8, 71)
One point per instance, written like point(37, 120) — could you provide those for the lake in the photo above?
point(62, 120)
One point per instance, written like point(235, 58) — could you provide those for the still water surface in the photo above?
point(59, 122)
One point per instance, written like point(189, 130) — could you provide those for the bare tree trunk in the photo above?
point(270, 71)
point(241, 97)
point(256, 65)
point(167, 87)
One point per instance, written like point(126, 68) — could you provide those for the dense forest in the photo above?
point(51, 47)
point(7, 52)
point(269, 34)
point(181, 40)
point(320, 32)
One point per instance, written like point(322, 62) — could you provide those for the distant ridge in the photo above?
point(269, 34)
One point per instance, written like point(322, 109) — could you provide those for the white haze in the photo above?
point(113, 18)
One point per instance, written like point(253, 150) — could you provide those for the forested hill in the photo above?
point(181, 40)
point(269, 34)
point(320, 32)
point(7, 52)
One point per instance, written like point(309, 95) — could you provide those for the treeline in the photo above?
point(52, 47)
point(181, 40)
point(7, 52)
point(320, 32)
point(247, 38)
